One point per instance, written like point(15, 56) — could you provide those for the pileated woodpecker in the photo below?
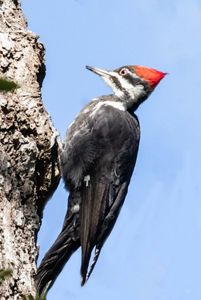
point(98, 159)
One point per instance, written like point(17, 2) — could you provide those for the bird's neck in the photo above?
point(125, 102)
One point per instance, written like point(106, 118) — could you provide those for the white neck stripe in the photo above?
point(116, 104)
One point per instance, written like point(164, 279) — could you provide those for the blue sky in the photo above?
point(154, 251)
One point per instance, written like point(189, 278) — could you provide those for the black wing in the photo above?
point(115, 135)
point(107, 154)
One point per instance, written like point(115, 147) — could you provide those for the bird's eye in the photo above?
point(123, 71)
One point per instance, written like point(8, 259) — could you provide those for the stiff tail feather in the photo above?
point(54, 260)
point(92, 213)
point(108, 220)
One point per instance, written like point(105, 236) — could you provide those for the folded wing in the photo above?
point(116, 136)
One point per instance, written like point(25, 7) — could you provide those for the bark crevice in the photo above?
point(29, 151)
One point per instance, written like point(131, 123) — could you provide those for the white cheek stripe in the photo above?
point(116, 91)
point(133, 91)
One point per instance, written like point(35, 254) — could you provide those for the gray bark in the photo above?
point(29, 164)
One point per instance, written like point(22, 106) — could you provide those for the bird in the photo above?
point(97, 161)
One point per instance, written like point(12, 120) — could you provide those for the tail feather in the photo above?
point(54, 260)
point(108, 216)
point(92, 215)
point(85, 224)
point(95, 258)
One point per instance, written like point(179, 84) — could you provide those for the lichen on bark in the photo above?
point(29, 147)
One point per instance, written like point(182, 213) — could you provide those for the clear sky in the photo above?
point(154, 251)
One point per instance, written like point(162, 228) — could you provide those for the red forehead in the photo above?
point(152, 76)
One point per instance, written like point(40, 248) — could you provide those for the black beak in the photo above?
point(98, 71)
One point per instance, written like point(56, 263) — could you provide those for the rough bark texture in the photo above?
point(29, 165)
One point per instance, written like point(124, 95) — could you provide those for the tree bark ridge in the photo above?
point(29, 148)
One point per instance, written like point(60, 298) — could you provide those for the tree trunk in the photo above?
point(29, 146)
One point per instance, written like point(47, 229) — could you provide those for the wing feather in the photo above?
point(103, 196)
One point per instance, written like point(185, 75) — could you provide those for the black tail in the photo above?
point(92, 214)
point(97, 221)
point(65, 245)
